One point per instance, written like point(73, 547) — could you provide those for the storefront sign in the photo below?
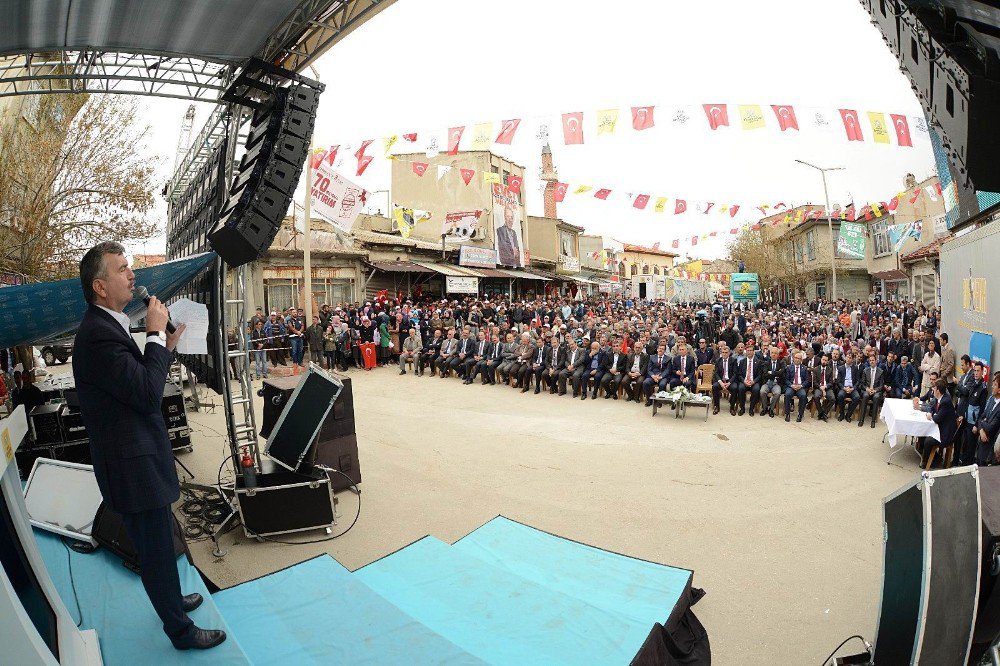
point(569, 264)
point(472, 256)
point(461, 285)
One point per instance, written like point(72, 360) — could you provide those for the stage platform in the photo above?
point(504, 594)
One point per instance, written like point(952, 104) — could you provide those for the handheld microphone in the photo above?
point(143, 293)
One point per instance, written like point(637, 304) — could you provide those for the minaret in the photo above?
point(551, 178)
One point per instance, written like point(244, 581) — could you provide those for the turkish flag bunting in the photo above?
point(363, 163)
point(718, 115)
point(411, 137)
point(714, 233)
point(937, 186)
point(734, 231)
point(851, 124)
point(642, 117)
point(359, 153)
point(514, 183)
point(675, 243)
point(419, 168)
point(694, 240)
point(640, 201)
point(561, 191)
point(902, 130)
point(733, 210)
point(467, 175)
point(572, 128)
point(454, 136)
point(317, 159)
point(708, 206)
point(331, 155)
point(786, 117)
point(602, 194)
point(680, 206)
point(755, 226)
point(507, 129)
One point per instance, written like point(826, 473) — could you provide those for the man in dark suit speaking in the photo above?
point(120, 389)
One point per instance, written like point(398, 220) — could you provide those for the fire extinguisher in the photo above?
point(248, 469)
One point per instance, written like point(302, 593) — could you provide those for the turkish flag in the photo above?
point(467, 175)
point(454, 136)
point(755, 226)
point(602, 194)
point(642, 117)
point(572, 128)
point(708, 206)
point(902, 130)
point(412, 137)
point(680, 206)
point(734, 231)
point(514, 183)
point(561, 191)
point(851, 124)
point(713, 234)
point(733, 210)
point(359, 153)
point(718, 115)
point(363, 163)
point(640, 201)
point(507, 129)
point(331, 155)
point(694, 240)
point(419, 168)
point(675, 243)
point(317, 159)
point(786, 116)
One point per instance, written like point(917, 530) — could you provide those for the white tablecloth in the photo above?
point(902, 419)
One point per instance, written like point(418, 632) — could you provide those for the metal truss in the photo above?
point(93, 71)
point(314, 27)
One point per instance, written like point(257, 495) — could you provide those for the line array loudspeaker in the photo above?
point(276, 149)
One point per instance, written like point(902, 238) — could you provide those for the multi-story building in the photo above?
point(639, 260)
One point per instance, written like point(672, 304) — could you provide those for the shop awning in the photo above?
point(582, 280)
point(400, 267)
point(444, 269)
point(490, 272)
point(524, 275)
point(891, 276)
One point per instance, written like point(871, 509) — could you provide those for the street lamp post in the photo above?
point(829, 222)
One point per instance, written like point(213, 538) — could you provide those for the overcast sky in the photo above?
point(428, 65)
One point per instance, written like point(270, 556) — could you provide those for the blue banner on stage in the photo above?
point(30, 313)
point(980, 347)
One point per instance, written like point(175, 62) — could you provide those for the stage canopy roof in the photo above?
point(214, 30)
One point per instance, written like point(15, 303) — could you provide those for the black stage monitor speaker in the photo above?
point(276, 148)
point(300, 420)
point(931, 569)
point(109, 531)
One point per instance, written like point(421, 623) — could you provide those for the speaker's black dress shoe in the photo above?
point(189, 602)
point(199, 639)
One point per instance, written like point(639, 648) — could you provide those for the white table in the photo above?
point(901, 419)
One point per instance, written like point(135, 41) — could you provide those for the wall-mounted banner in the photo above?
point(851, 241)
point(569, 264)
point(461, 285)
point(980, 348)
point(460, 227)
point(507, 222)
point(477, 257)
point(336, 198)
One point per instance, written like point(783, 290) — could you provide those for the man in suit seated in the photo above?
point(615, 366)
point(572, 366)
point(772, 383)
point(540, 357)
point(682, 369)
point(429, 353)
point(636, 365)
point(705, 354)
point(749, 382)
point(848, 393)
point(824, 382)
point(906, 383)
point(946, 419)
point(557, 360)
point(871, 388)
point(447, 353)
point(473, 360)
point(726, 373)
point(656, 373)
point(462, 353)
point(120, 388)
point(482, 366)
point(593, 370)
point(988, 425)
point(797, 386)
point(508, 355)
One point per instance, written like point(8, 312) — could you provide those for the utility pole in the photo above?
point(829, 223)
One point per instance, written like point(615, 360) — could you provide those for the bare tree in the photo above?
point(64, 188)
point(762, 255)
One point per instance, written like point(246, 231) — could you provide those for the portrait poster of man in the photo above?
point(507, 223)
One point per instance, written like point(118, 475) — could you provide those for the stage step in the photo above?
point(499, 616)
point(316, 612)
point(114, 603)
point(642, 591)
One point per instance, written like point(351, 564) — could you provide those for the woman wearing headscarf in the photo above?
point(330, 345)
point(930, 363)
point(384, 339)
